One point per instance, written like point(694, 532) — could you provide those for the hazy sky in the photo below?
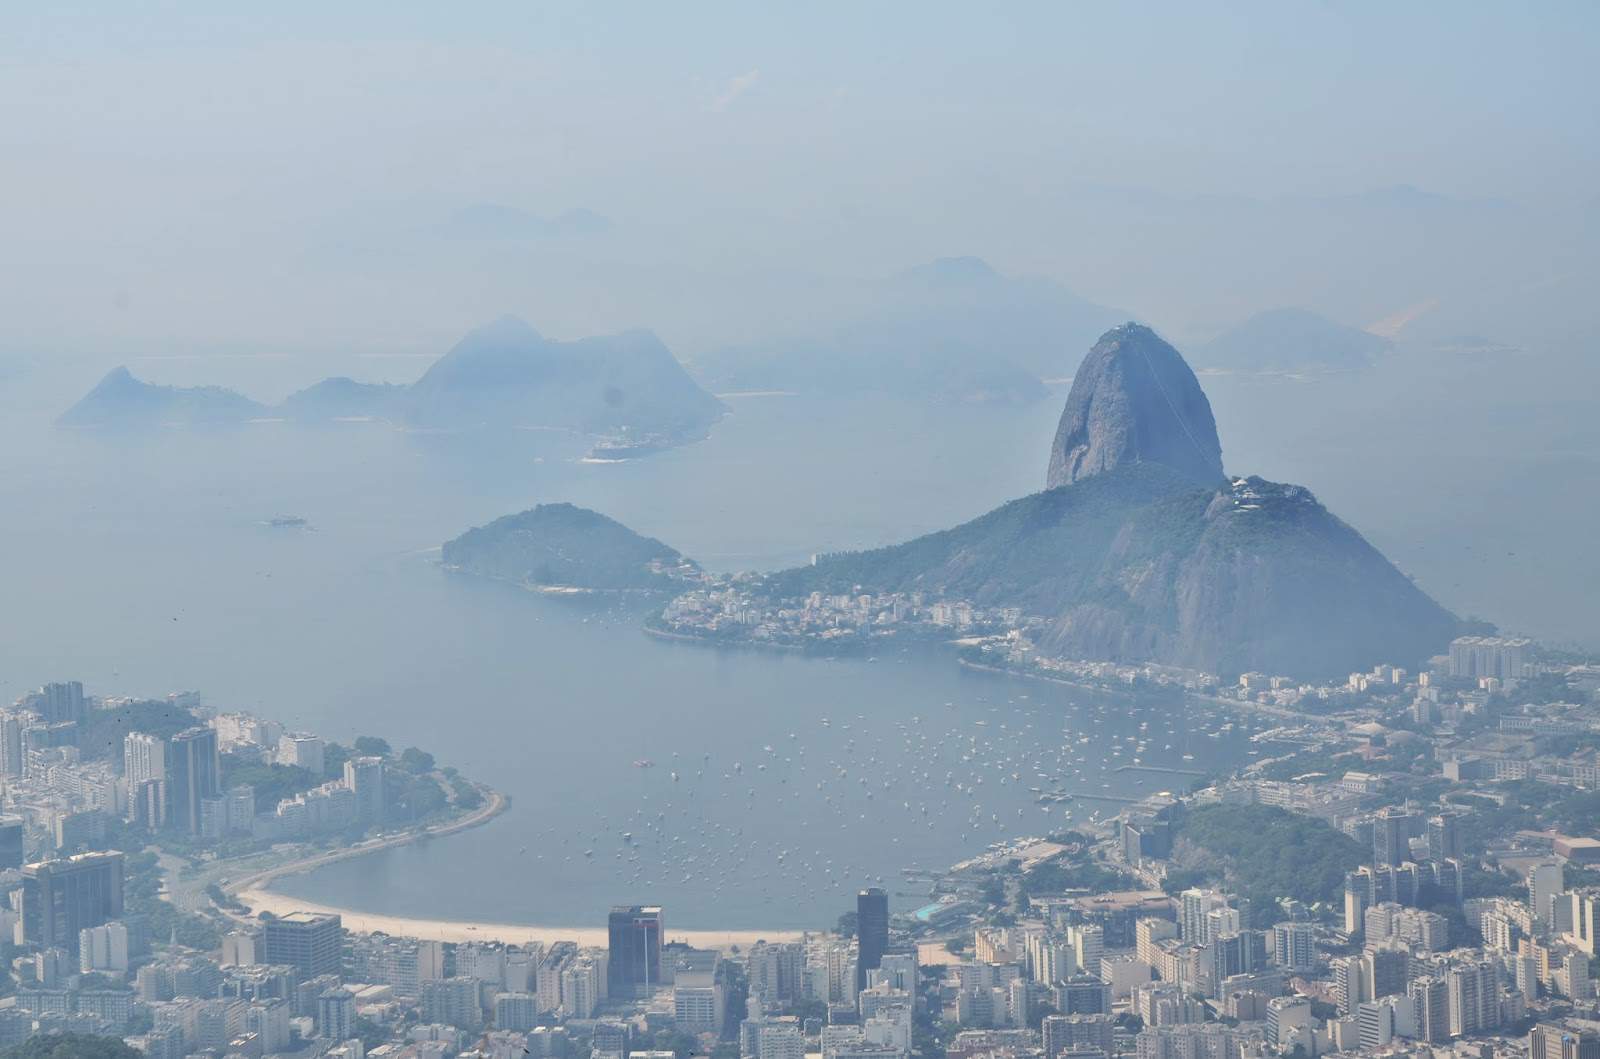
point(186, 174)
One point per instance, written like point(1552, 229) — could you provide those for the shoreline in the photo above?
point(254, 891)
point(454, 930)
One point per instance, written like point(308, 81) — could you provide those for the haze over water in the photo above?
point(146, 567)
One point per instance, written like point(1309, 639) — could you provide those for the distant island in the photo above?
point(1292, 340)
point(561, 546)
point(625, 389)
point(1141, 551)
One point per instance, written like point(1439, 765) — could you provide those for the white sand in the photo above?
point(511, 933)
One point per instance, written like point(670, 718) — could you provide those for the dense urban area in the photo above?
point(1414, 871)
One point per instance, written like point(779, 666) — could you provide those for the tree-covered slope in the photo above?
point(1272, 853)
point(560, 544)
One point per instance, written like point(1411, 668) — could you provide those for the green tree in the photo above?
point(467, 796)
point(414, 760)
point(371, 746)
point(370, 1033)
point(72, 1046)
point(272, 783)
point(334, 755)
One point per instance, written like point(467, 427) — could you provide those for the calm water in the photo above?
point(141, 565)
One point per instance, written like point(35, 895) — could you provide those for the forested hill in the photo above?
point(565, 545)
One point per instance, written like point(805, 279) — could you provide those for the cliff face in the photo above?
point(1134, 400)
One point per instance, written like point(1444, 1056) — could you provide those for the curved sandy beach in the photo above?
point(510, 933)
point(254, 892)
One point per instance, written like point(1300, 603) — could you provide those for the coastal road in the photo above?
point(270, 868)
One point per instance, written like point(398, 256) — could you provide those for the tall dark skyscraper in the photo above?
point(1392, 829)
point(194, 773)
point(872, 932)
point(1444, 837)
point(62, 897)
point(11, 848)
point(635, 937)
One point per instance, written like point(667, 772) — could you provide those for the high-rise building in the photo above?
point(1287, 1016)
point(515, 1011)
point(872, 932)
point(310, 943)
point(103, 948)
point(1474, 996)
point(1348, 985)
point(1553, 1041)
point(1392, 829)
point(1244, 952)
point(144, 758)
point(1489, 656)
point(1430, 998)
point(144, 761)
point(1384, 971)
point(62, 898)
point(1581, 918)
point(1068, 1033)
point(11, 727)
point(268, 1019)
point(1444, 837)
point(1083, 994)
point(1545, 881)
point(194, 773)
point(776, 972)
point(1379, 1022)
point(1195, 905)
point(1357, 897)
point(697, 992)
point(302, 750)
point(634, 932)
point(1294, 946)
point(364, 776)
point(12, 844)
point(780, 1041)
point(61, 703)
point(583, 984)
point(336, 1012)
point(1088, 945)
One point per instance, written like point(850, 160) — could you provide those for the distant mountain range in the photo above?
point(953, 329)
point(503, 375)
point(120, 400)
point(1292, 340)
point(560, 545)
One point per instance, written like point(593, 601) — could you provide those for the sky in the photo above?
point(186, 175)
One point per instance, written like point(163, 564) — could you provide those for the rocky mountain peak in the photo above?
point(1135, 400)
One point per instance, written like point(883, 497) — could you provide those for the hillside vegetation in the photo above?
point(560, 544)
